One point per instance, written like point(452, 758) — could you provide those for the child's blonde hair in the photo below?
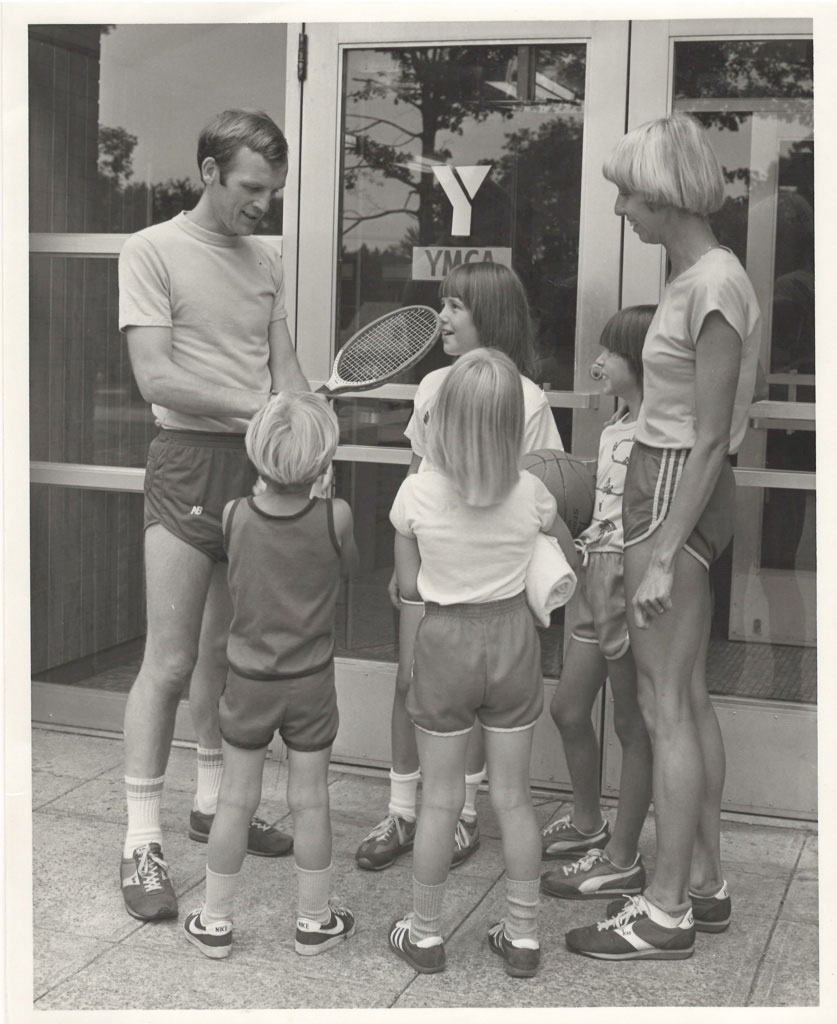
point(495, 297)
point(624, 334)
point(475, 434)
point(292, 439)
point(669, 162)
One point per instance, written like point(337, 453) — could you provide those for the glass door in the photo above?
point(455, 143)
point(751, 85)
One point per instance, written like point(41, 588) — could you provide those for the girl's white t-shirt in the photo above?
point(539, 430)
point(471, 555)
point(716, 282)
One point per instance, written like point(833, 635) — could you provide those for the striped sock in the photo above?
point(402, 794)
point(143, 799)
point(312, 893)
point(220, 897)
point(427, 910)
point(210, 770)
point(521, 918)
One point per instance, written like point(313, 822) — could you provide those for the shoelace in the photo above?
point(150, 870)
point(262, 826)
point(584, 863)
point(628, 913)
point(382, 830)
point(557, 825)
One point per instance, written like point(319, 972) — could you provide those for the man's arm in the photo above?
point(285, 373)
point(163, 382)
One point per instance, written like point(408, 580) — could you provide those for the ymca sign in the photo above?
point(433, 262)
point(460, 185)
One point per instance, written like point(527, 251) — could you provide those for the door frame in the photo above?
point(310, 243)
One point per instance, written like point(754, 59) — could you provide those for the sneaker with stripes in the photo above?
point(593, 877)
point(633, 935)
point(146, 886)
point(313, 937)
point(213, 940)
point(427, 956)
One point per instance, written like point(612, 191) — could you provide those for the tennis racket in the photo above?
point(383, 349)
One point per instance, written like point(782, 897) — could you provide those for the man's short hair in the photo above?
point(232, 130)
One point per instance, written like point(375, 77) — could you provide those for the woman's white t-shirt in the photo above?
point(716, 282)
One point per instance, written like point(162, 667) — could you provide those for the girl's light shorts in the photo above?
point(600, 604)
point(650, 485)
point(476, 661)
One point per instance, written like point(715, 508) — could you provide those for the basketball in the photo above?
point(569, 480)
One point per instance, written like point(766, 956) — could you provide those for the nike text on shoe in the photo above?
point(522, 957)
point(632, 935)
point(146, 887)
point(263, 840)
point(386, 842)
point(427, 956)
point(593, 877)
point(213, 940)
point(561, 839)
point(466, 841)
point(711, 913)
point(313, 937)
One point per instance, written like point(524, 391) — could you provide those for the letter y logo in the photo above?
point(461, 184)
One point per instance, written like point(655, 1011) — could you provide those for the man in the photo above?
point(201, 303)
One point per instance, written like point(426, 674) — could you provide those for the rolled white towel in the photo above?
point(550, 582)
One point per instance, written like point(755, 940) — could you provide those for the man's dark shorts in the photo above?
point(189, 479)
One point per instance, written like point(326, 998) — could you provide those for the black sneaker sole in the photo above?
point(161, 915)
point(601, 894)
point(320, 947)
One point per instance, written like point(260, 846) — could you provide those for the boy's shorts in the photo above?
point(304, 710)
point(601, 616)
point(189, 478)
point(650, 485)
point(476, 661)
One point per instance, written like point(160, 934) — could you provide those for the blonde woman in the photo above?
point(699, 363)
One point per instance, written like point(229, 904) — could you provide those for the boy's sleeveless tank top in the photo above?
point(284, 578)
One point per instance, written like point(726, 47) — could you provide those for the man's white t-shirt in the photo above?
point(218, 294)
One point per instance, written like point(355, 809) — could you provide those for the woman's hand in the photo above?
point(653, 595)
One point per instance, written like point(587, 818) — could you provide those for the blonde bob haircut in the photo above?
point(475, 434)
point(291, 440)
point(668, 162)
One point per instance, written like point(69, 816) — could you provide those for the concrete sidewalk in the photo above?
point(90, 955)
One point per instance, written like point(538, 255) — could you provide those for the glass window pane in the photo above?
point(755, 99)
point(463, 153)
point(85, 404)
point(87, 593)
point(115, 112)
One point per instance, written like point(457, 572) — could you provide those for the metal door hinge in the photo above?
point(302, 57)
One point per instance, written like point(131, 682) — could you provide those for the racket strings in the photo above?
point(387, 347)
